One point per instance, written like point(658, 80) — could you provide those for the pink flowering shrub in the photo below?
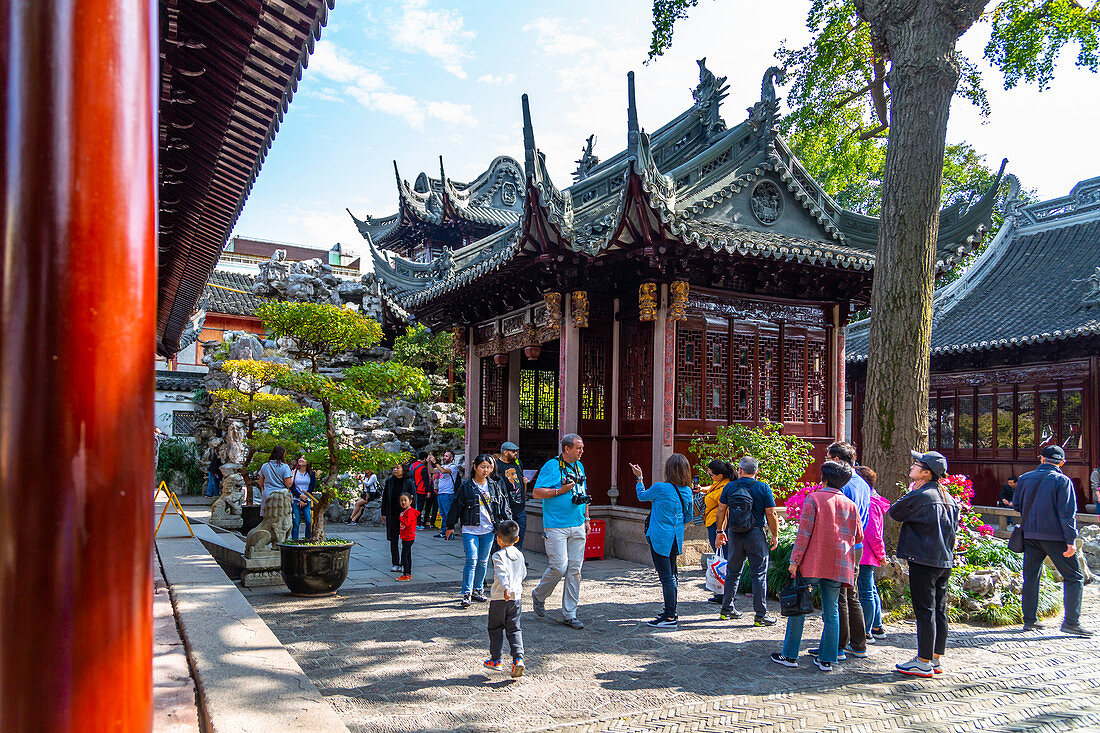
point(795, 501)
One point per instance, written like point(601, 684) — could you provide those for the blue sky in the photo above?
point(415, 79)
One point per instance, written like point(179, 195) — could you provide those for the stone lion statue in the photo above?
point(229, 502)
point(275, 525)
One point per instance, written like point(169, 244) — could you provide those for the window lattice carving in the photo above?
point(1071, 436)
point(768, 384)
point(816, 372)
point(795, 379)
point(637, 371)
point(1004, 419)
point(744, 367)
point(689, 374)
point(493, 380)
point(593, 376)
point(718, 375)
point(714, 164)
point(1048, 416)
point(538, 399)
point(983, 428)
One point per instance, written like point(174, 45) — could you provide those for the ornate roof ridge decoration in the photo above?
point(478, 267)
point(1083, 199)
point(708, 95)
point(733, 238)
point(557, 205)
point(764, 115)
point(587, 161)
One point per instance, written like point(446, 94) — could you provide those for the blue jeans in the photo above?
point(666, 571)
point(869, 597)
point(297, 514)
point(213, 484)
point(520, 518)
point(477, 548)
point(830, 614)
point(445, 501)
point(712, 535)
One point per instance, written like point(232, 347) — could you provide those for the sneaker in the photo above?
point(465, 602)
point(915, 667)
point(440, 536)
point(814, 652)
point(573, 623)
point(538, 606)
point(396, 569)
point(1033, 626)
point(715, 599)
point(492, 663)
point(778, 658)
point(870, 639)
point(517, 667)
point(728, 613)
point(850, 652)
point(1076, 630)
point(937, 668)
point(767, 620)
point(663, 622)
point(405, 577)
point(878, 634)
point(823, 666)
point(479, 596)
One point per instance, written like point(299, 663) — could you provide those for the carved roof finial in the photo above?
point(1012, 197)
point(631, 111)
point(763, 114)
point(587, 161)
point(528, 140)
point(708, 96)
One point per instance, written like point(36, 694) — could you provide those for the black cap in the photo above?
point(1053, 453)
point(933, 461)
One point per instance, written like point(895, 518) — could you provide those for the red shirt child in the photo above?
point(407, 523)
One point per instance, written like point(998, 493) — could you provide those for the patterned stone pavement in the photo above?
point(406, 658)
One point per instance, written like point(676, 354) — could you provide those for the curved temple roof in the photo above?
point(739, 190)
point(1039, 280)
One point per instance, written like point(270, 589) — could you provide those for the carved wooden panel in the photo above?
point(593, 377)
point(767, 385)
point(1005, 416)
point(1071, 436)
point(637, 372)
point(983, 425)
point(966, 422)
point(794, 378)
point(718, 368)
point(689, 373)
point(744, 368)
point(1048, 417)
point(1021, 375)
point(1025, 421)
point(947, 422)
point(744, 309)
point(817, 381)
point(494, 381)
point(538, 399)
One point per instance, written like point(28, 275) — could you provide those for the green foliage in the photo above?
point(1029, 35)
point(259, 405)
point(315, 543)
point(305, 427)
point(389, 378)
point(783, 458)
point(419, 347)
point(319, 329)
point(262, 444)
point(665, 15)
point(177, 454)
point(329, 392)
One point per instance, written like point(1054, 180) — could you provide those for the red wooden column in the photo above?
point(76, 365)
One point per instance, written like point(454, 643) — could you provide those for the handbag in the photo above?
point(699, 507)
point(796, 599)
point(716, 572)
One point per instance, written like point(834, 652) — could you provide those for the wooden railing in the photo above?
point(1002, 519)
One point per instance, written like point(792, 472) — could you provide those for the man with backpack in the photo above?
point(742, 509)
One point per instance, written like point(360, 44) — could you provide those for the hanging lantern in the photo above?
point(647, 302)
point(677, 309)
point(580, 309)
point(553, 309)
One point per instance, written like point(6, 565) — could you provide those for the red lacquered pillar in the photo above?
point(76, 364)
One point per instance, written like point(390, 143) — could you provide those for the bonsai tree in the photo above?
point(318, 332)
point(249, 400)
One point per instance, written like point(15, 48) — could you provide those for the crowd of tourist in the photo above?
point(838, 545)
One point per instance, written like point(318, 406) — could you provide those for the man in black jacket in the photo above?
point(1048, 506)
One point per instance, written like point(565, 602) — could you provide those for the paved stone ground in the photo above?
point(405, 658)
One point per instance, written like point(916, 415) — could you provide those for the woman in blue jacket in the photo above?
point(671, 509)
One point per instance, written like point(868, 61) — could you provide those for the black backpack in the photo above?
point(739, 517)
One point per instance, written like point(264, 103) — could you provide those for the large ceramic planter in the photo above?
point(314, 571)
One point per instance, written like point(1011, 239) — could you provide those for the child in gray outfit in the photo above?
point(509, 570)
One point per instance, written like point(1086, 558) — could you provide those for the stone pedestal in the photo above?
point(225, 521)
point(263, 568)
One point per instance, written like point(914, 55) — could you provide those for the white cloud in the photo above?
point(440, 34)
point(555, 38)
point(496, 80)
point(371, 91)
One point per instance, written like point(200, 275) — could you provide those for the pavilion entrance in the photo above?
point(538, 406)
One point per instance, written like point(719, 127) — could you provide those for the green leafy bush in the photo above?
point(177, 454)
point(783, 458)
point(305, 428)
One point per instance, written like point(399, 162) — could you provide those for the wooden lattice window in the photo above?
point(744, 367)
point(947, 421)
point(637, 371)
point(768, 370)
point(689, 373)
point(718, 375)
point(933, 418)
point(538, 399)
point(794, 376)
point(1005, 413)
point(493, 384)
point(966, 422)
point(1048, 417)
point(983, 428)
point(593, 376)
point(816, 379)
point(1025, 421)
point(1071, 435)
point(183, 422)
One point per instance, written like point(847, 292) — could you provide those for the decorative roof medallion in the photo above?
point(1092, 288)
point(766, 202)
point(508, 193)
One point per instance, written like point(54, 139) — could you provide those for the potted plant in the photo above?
point(317, 332)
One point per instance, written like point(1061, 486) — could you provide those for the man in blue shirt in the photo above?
point(752, 545)
point(853, 629)
point(1048, 506)
point(565, 523)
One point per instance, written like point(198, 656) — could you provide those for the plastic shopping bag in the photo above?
point(716, 572)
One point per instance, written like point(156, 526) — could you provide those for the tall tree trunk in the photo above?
point(321, 506)
point(918, 37)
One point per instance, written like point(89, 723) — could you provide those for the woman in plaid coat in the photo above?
point(828, 531)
